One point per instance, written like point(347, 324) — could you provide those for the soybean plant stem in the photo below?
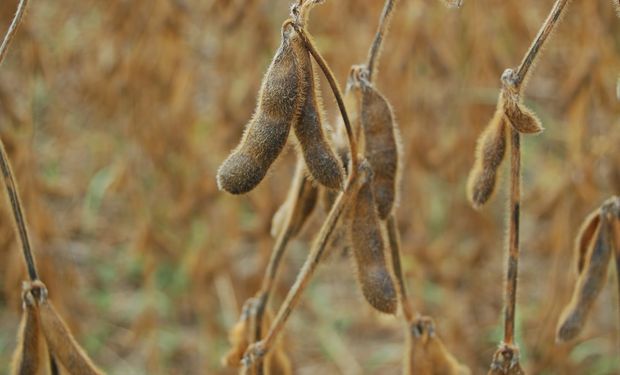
point(394, 239)
point(382, 29)
point(513, 237)
point(539, 41)
point(259, 349)
point(5, 165)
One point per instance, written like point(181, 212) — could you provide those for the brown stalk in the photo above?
point(394, 242)
point(375, 48)
point(544, 32)
point(7, 173)
point(258, 350)
point(513, 82)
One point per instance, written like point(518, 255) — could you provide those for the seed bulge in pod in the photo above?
point(321, 160)
point(367, 242)
point(490, 153)
point(381, 146)
point(279, 105)
point(589, 283)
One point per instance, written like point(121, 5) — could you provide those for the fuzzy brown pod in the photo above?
point(280, 101)
point(368, 244)
point(381, 140)
point(584, 237)
point(521, 118)
point(276, 361)
point(321, 161)
point(61, 343)
point(590, 282)
point(425, 353)
point(299, 204)
point(31, 356)
point(328, 196)
point(490, 152)
point(506, 361)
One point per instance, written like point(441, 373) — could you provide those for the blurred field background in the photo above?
point(116, 115)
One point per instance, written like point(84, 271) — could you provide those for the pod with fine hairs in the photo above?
point(321, 160)
point(490, 152)
point(299, 203)
point(367, 242)
point(521, 118)
point(584, 237)
point(31, 356)
point(279, 105)
point(381, 142)
point(61, 343)
point(425, 353)
point(590, 282)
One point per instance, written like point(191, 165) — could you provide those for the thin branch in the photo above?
point(5, 165)
point(513, 86)
point(259, 349)
point(375, 48)
point(394, 242)
point(539, 41)
point(17, 19)
point(337, 94)
point(513, 237)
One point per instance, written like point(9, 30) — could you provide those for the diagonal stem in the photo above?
point(5, 165)
point(259, 349)
point(375, 48)
point(539, 41)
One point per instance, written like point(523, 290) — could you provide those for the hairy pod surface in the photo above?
point(30, 356)
point(490, 152)
point(61, 343)
point(425, 353)
point(382, 147)
point(589, 283)
point(368, 245)
point(584, 238)
point(280, 101)
point(321, 160)
point(522, 118)
point(299, 204)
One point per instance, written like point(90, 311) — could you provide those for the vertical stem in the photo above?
point(513, 237)
point(382, 29)
point(394, 240)
point(7, 174)
point(539, 41)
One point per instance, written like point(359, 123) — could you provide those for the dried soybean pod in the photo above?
point(381, 145)
point(367, 241)
point(425, 353)
point(490, 153)
point(301, 199)
point(589, 283)
point(279, 105)
point(321, 160)
point(30, 355)
point(522, 118)
point(584, 238)
point(239, 336)
point(61, 343)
